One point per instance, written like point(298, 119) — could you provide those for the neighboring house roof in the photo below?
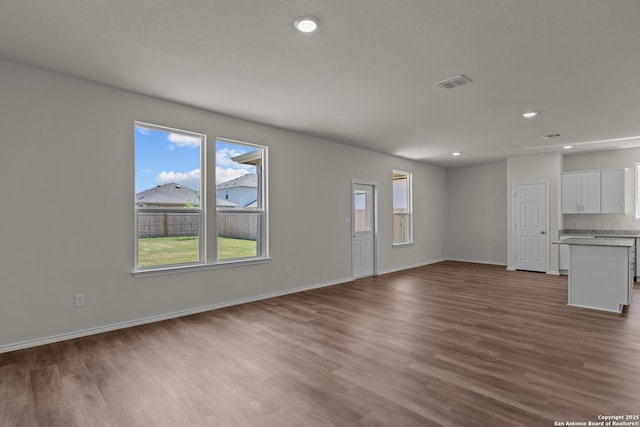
point(221, 203)
point(251, 158)
point(253, 204)
point(168, 194)
point(249, 180)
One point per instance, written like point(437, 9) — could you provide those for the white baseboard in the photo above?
point(551, 272)
point(407, 267)
point(475, 261)
point(151, 319)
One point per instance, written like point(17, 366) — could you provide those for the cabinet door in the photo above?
point(590, 197)
point(571, 192)
point(564, 257)
point(613, 191)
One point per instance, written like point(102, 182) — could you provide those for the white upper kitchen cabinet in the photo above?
point(571, 192)
point(613, 190)
point(581, 192)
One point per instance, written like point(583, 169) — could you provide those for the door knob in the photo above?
point(543, 232)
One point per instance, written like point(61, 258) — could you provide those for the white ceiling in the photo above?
point(366, 77)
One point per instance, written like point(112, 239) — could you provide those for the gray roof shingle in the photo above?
point(169, 194)
point(249, 180)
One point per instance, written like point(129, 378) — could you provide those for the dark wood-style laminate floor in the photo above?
point(451, 344)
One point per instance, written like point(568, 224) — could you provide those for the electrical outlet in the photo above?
point(79, 300)
point(287, 270)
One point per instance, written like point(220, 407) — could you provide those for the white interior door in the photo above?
point(363, 230)
point(530, 222)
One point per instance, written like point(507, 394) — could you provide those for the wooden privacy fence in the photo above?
point(238, 226)
point(173, 224)
point(401, 228)
point(167, 224)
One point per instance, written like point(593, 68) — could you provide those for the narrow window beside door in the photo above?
point(402, 209)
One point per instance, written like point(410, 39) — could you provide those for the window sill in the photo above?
point(197, 267)
point(400, 245)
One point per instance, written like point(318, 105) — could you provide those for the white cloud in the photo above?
point(184, 140)
point(190, 179)
point(142, 131)
point(224, 155)
point(227, 174)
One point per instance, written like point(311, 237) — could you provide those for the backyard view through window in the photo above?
point(239, 200)
point(167, 196)
point(171, 199)
point(402, 215)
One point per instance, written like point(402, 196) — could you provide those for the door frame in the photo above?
point(513, 221)
point(373, 184)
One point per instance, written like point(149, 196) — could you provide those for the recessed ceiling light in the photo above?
point(530, 114)
point(457, 153)
point(567, 147)
point(307, 24)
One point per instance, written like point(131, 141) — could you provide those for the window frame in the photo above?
point(408, 176)
point(200, 210)
point(262, 236)
point(637, 192)
point(207, 221)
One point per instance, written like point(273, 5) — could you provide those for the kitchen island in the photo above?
point(601, 273)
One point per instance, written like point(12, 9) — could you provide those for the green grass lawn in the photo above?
point(155, 251)
point(236, 248)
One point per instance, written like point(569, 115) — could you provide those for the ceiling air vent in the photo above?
point(551, 136)
point(452, 82)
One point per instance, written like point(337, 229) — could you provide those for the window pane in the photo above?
point(238, 234)
point(400, 195)
point(401, 228)
point(167, 180)
point(362, 211)
point(167, 170)
point(166, 238)
point(237, 176)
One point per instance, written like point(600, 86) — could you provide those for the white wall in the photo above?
point(66, 223)
point(613, 159)
point(537, 168)
point(477, 213)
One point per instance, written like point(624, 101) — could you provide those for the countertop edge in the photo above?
point(614, 242)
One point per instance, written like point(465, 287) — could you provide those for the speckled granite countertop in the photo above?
point(626, 243)
point(600, 233)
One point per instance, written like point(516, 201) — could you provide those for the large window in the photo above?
point(177, 222)
point(402, 209)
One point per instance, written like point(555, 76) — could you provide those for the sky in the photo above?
point(163, 157)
